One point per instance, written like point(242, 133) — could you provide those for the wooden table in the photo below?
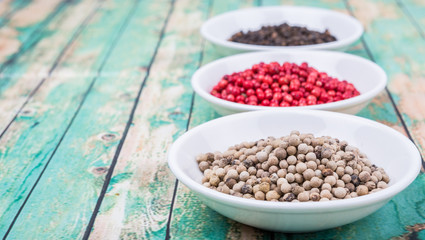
point(93, 93)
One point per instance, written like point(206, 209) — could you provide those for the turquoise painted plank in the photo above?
point(94, 134)
point(31, 139)
point(138, 199)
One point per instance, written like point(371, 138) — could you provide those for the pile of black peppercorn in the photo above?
point(282, 35)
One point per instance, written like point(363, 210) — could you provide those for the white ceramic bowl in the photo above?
point(366, 76)
point(384, 146)
point(219, 29)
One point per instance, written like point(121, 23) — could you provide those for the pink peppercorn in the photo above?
point(283, 85)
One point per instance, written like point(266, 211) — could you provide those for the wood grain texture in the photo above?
point(95, 132)
point(31, 140)
point(137, 202)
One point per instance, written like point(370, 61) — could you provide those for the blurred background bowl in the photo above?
point(384, 146)
point(219, 29)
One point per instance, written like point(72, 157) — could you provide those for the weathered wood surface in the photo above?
point(92, 94)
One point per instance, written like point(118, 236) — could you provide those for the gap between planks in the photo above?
point(369, 53)
point(126, 130)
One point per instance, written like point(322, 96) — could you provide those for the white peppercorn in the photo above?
point(292, 169)
point(316, 182)
point(318, 173)
point(252, 171)
point(310, 156)
point(294, 140)
point(280, 153)
point(303, 148)
point(283, 164)
point(297, 190)
point(204, 166)
point(260, 195)
point(298, 178)
point(272, 195)
point(370, 185)
point(362, 190)
point(340, 192)
point(332, 165)
point(291, 160)
point(301, 167)
point(286, 188)
point(261, 156)
point(281, 173)
point(291, 150)
point(382, 184)
point(214, 180)
point(348, 170)
point(247, 196)
point(331, 180)
point(273, 169)
point(340, 171)
point(340, 183)
point(244, 175)
point(326, 194)
point(307, 185)
point(290, 177)
point(326, 186)
point(304, 196)
point(374, 179)
point(378, 175)
point(309, 174)
point(264, 187)
point(364, 176)
point(220, 172)
point(312, 165)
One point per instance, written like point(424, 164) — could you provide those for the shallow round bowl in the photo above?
point(384, 147)
point(366, 76)
point(219, 29)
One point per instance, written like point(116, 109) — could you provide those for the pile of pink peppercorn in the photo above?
point(288, 84)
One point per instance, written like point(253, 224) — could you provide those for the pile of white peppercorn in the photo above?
point(294, 168)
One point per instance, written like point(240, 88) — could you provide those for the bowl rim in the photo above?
point(329, 206)
point(354, 24)
point(346, 103)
